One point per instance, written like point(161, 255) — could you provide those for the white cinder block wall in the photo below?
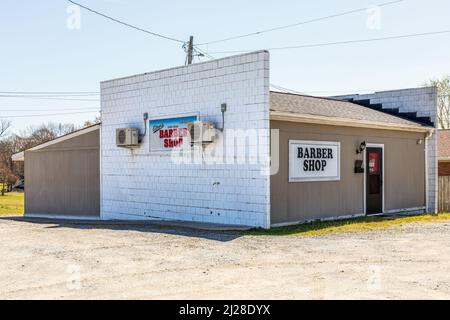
point(424, 102)
point(140, 184)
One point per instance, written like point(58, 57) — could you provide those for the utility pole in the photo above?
point(190, 52)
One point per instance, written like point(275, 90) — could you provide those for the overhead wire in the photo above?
point(53, 93)
point(12, 109)
point(341, 42)
point(46, 115)
point(46, 98)
point(340, 14)
point(126, 24)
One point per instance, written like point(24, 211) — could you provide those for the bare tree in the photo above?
point(89, 123)
point(443, 88)
point(4, 126)
point(35, 135)
point(7, 176)
point(5, 171)
point(9, 145)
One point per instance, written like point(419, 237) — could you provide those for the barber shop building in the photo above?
point(210, 142)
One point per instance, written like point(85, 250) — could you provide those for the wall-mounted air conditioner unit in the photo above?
point(127, 137)
point(202, 132)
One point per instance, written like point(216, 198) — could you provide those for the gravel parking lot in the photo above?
point(77, 261)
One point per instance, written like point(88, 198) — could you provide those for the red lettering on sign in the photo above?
point(173, 143)
point(173, 137)
point(171, 133)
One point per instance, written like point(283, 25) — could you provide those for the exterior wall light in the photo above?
point(361, 148)
point(223, 109)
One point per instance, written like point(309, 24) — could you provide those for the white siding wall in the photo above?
point(424, 102)
point(139, 184)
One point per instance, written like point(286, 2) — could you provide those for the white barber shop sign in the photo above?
point(314, 161)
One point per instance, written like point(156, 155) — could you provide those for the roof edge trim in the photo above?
point(345, 122)
point(20, 155)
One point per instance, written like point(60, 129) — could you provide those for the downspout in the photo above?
point(427, 185)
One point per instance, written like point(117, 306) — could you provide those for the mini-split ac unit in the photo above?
point(127, 137)
point(202, 132)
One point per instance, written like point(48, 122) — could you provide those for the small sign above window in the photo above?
point(314, 160)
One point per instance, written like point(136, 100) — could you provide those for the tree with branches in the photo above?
point(443, 88)
point(14, 143)
point(5, 165)
point(4, 127)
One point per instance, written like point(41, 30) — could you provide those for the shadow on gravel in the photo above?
point(213, 233)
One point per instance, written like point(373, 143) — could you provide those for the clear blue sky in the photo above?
point(39, 53)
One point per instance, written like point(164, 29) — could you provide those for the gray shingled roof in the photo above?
point(308, 105)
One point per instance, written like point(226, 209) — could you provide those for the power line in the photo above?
point(46, 115)
point(45, 98)
point(64, 93)
point(341, 42)
point(126, 24)
point(358, 91)
point(283, 89)
point(201, 52)
point(84, 96)
point(299, 23)
point(48, 110)
point(346, 92)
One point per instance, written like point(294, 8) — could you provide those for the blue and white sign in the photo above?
point(170, 133)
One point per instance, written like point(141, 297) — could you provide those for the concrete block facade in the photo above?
point(424, 102)
point(139, 184)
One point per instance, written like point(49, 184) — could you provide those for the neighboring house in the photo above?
point(444, 152)
point(444, 170)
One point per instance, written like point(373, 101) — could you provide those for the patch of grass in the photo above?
point(318, 228)
point(12, 203)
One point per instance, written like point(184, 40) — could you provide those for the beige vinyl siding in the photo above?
point(64, 178)
point(300, 201)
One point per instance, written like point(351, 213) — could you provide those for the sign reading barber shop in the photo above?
point(314, 161)
point(169, 133)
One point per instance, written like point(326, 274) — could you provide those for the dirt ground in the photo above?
point(69, 261)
